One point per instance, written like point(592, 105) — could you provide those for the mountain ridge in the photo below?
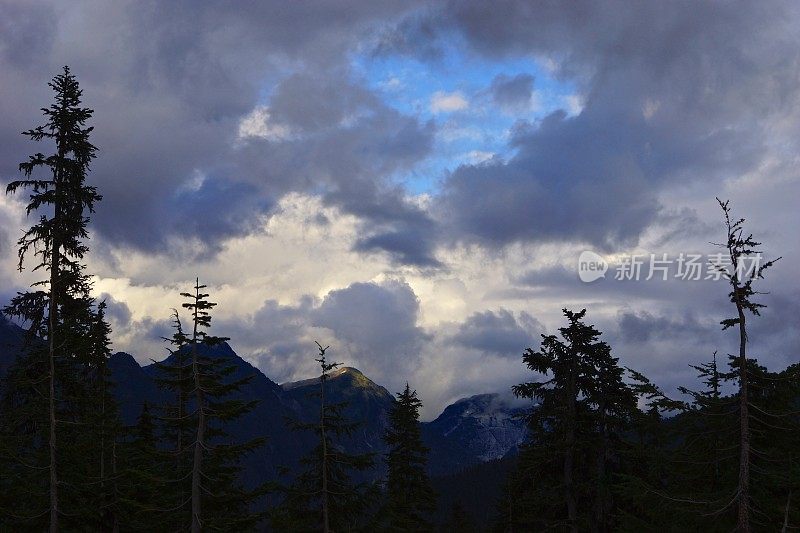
point(470, 431)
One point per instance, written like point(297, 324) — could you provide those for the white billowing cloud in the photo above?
point(298, 280)
point(304, 248)
point(257, 123)
point(444, 102)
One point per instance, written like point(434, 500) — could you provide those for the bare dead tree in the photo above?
point(744, 269)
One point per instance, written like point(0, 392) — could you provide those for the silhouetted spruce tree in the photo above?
point(215, 498)
point(101, 428)
point(323, 496)
point(58, 309)
point(706, 464)
point(613, 405)
point(691, 459)
point(567, 470)
point(410, 500)
point(554, 462)
point(706, 450)
point(774, 401)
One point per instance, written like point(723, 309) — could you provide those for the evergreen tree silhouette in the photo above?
point(58, 310)
point(323, 496)
point(209, 494)
point(410, 498)
point(566, 472)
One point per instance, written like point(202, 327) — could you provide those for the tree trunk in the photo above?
point(199, 443)
point(743, 520)
point(600, 491)
point(115, 527)
point(101, 390)
point(179, 443)
point(786, 513)
point(51, 356)
point(569, 454)
point(52, 409)
point(326, 527)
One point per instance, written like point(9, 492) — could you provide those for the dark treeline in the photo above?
point(607, 449)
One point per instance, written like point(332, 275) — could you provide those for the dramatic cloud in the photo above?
point(373, 326)
point(644, 327)
point(178, 84)
point(379, 323)
point(412, 182)
point(657, 112)
point(500, 332)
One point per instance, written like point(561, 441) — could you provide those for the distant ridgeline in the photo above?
point(469, 432)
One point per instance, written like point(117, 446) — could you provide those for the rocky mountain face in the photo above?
point(471, 431)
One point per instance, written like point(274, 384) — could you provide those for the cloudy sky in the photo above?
point(413, 182)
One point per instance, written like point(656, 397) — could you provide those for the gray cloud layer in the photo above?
point(673, 92)
point(678, 97)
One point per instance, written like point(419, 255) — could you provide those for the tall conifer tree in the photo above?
point(58, 307)
point(209, 492)
point(566, 472)
point(323, 496)
point(410, 498)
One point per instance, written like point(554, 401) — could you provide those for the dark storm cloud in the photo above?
point(564, 183)
point(417, 36)
point(170, 82)
point(118, 313)
point(234, 208)
point(26, 31)
point(310, 103)
point(346, 144)
point(499, 332)
point(407, 245)
point(512, 93)
point(406, 232)
point(672, 92)
point(644, 326)
point(373, 325)
point(775, 335)
point(380, 320)
point(275, 338)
